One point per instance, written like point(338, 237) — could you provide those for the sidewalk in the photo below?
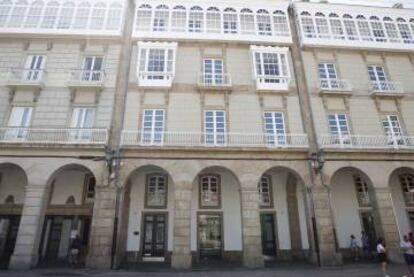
point(358, 270)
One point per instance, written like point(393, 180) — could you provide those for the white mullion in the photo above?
point(153, 113)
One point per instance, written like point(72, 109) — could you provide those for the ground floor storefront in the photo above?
point(186, 213)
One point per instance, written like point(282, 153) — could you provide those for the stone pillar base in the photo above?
point(331, 259)
point(394, 255)
point(99, 262)
point(22, 262)
point(253, 261)
point(181, 261)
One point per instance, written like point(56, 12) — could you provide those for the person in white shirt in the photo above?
point(382, 256)
point(354, 248)
point(408, 249)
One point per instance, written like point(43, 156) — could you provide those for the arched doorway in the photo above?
point(148, 216)
point(402, 189)
point(354, 208)
point(13, 181)
point(216, 229)
point(68, 215)
point(283, 215)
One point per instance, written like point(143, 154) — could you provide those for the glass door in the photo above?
point(268, 234)
point(209, 235)
point(154, 236)
point(368, 226)
point(9, 226)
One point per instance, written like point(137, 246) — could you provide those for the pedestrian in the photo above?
point(75, 250)
point(365, 245)
point(411, 237)
point(382, 256)
point(407, 247)
point(354, 248)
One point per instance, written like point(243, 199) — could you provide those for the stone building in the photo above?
point(194, 131)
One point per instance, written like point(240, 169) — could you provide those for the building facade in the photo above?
point(188, 132)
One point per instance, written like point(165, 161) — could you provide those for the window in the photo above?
point(407, 186)
point(271, 65)
point(92, 69)
point(363, 28)
point(210, 191)
point(34, 15)
point(392, 129)
point(213, 20)
point(113, 20)
point(90, 187)
point(213, 72)
point(33, 69)
point(50, 15)
point(391, 30)
point(336, 26)
point(66, 14)
point(143, 18)
point(230, 21)
point(215, 127)
point(156, 191)
point(265, 192)
point(377, 29)
point(82, 118)
point(97, 16)
point(19, 121)
point(179, 19)
point(405, 31)
point(339, 129)
point(264, 27)
point(17, 14)
point(378, 78)
point(322, 27)
point(195, 22)
point(82, 16)
point(280, 24)
point(161, 17)
point(5, 8)
point(275, 128)
point(308, 27)
point(327, 76)
point(350, 27)
point(156, 62)
point(247, 22)
point(362, 190)
point(152, 127)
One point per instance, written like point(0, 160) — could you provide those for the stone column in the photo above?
point(325, 226)
point(26, 252)
point(251, 228)
point(101, 237)
point(388, 221)
point(181, 257)
point(293, 215)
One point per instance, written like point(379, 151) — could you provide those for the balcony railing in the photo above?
point(214, 81)
point(155, 79)
point(53, 136)
point(26, 77)
point(366, 142)
point(87, 78)
point(387, 88)
point(335, 85)
point(272, 83)
point(194, 139)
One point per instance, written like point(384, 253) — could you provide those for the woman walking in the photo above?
point(382, 256)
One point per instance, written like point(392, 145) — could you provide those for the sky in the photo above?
point(386, 3)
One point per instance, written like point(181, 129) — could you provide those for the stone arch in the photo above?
point(13, 181)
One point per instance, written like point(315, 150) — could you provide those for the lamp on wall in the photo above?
point(317, 160)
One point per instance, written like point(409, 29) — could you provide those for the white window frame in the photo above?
point(214, 135)
point(407, 187)
point(160, 190)
point(152, 135)
point(20, 119)
point(362, 189)
point(230, 21)
point(81, 128)
point(95, 72)
point(393, 130)
point(34, 68)
point(378, 78)
point(275, 134)
point(216, 76)
point(265, 194)
point(339, 136)
point(208, 197)
point(156, 78)
point(161, 19)
point(330, 81)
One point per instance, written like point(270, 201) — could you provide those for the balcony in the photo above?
point(194, 139)
point(272, 83)
point(26, 78)
point(334, 86)
point(155, 79)
point(386, 88)
point(86, 79)
point(17, 135)
point(366, 142)
point(214, 81)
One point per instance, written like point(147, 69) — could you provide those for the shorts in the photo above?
point(409, 259)
point(382, 257)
